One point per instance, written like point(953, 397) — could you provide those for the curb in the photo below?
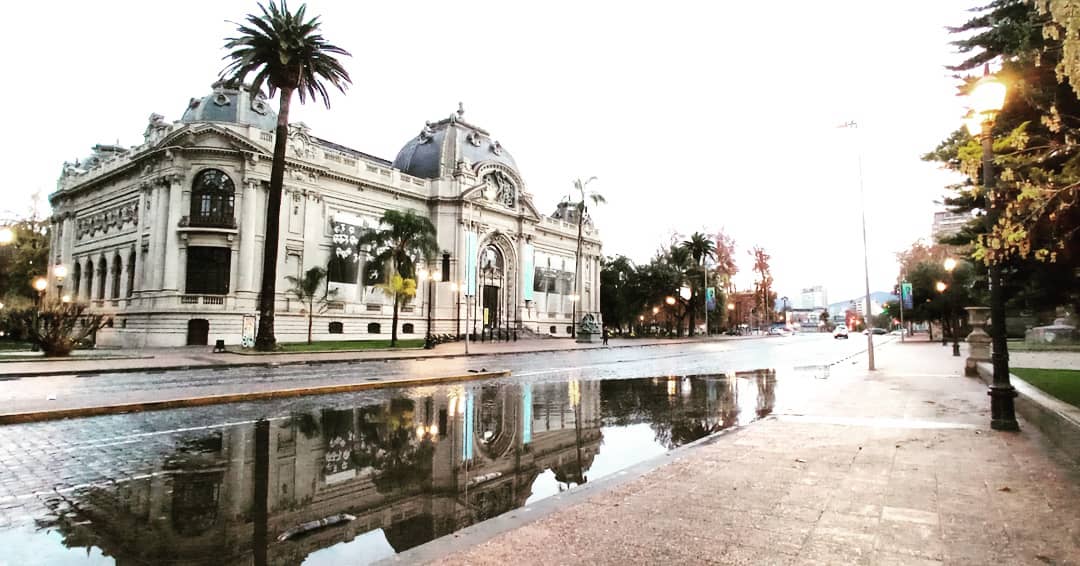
point(1057, 420)
point(271, 363)
point(56, 414)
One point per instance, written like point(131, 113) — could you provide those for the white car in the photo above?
point(840, 332)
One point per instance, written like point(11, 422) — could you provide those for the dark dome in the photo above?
point(232, 104)
point(441, 145)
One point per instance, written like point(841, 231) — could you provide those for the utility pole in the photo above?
point(866, 262)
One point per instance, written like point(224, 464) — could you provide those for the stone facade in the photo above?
point(167, 236)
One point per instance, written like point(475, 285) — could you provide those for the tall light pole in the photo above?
point(987, 98)
point(59, 272)
point(950, 265)
point(866, 262)
point(430, 277)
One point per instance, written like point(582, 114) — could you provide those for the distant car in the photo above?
point(899, 332)
point(779, 332)
point(840, 332)
point(878, 331)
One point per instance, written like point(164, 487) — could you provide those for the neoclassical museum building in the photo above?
point(166, 237)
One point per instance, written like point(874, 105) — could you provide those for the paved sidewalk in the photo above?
point(894, 467)
point(194, 357)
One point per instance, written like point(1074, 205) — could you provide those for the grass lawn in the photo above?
point(348, 345)
point(1061, 383)
point(13, 345)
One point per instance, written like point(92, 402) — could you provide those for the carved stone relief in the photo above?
point(105, 221)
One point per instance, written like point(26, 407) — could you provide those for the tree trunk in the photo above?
point(265, 340)
point(310, 319)
point(693, 314)
point(393, 329)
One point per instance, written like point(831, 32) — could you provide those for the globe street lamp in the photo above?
point(40, 284)
point(60, 272)
point(670, 301)
point(941, 286)
point(950, 265)
point(987, 98)
point(7, 235)
point(430, 277)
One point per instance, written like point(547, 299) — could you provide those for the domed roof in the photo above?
point(441, 145)
point(231, 103)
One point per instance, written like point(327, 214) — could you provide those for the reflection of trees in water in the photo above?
point(681, 410)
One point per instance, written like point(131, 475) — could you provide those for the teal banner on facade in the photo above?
point(528, 276)
point(471, 255)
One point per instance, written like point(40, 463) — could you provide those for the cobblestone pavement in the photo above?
point(72, 391)
point(897, 467)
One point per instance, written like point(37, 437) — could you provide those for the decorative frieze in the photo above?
point(115, 218)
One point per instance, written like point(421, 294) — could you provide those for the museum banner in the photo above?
point(345, 255)
point(527, 273)
point(472, 252)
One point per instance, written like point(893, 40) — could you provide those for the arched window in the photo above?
point(76, 279)
point(553, 330)
point(131, 273)
point(116, 270)
point(373, 328)
point(337, 327)
point(407, 328)
point(212, 197)
point(89, 279)
point(102, 273)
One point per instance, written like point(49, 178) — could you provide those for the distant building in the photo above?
point(948, 224)
point(814, 298)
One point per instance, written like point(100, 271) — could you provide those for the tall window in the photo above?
point(102, 272)
point(116, 270)
point(131, 273)
point(90, 279)
point(76, 278)
point(212, 197)
point(208, 270)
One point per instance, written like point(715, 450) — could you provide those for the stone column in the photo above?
point(157, 216)
point(249, 227)
point(125, 266)
point(140, 212)
point(171, 275)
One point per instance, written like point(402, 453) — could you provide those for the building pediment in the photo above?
point(210, 136)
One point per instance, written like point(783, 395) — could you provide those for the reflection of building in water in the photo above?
point(417, 468)
point(409, 469)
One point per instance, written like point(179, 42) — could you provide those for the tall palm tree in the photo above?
point(700, 248)
point(401, 237)
point(582, 209)
point(286, 53)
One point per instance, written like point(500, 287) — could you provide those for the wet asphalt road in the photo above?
point(68, 455)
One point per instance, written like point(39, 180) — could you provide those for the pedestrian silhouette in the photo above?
point(605, 336)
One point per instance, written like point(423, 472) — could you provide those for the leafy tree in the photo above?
point(621, 297)
point(306, 290)
point(400, 290)
point(1036, 157)
point(284, 52)
point(23, 259)
point(766, 298)
point(400, 239)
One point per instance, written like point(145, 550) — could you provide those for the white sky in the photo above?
point(693, 115)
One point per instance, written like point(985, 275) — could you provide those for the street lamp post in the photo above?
point(456, 288)
point(59, 271)
point(670, 301)
point(866, 262)
point(429, 339)
point(954, 321)
point(731, 313)
point(987, 98)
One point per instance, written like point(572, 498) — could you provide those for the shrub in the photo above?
point(56, 328)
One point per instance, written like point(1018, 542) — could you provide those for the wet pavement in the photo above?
point(402, 467)
point(70, 391)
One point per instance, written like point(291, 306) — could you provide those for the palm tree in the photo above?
point(400, 289)
point(401, 237)
point(285, 53)
point(700, 248)
point(582, 210)
point(306, 290)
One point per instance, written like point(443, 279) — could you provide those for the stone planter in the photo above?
point(978, 341)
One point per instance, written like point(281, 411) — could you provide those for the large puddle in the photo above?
point(356, 485)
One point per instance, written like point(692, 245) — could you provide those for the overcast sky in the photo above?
point(694, 115)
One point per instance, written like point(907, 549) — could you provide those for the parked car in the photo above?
point(878, 331)
point(778, 331)
point(840, 332)
point(900, 332)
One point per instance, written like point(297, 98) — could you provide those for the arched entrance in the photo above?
point(496, 316)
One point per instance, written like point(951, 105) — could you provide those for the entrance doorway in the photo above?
point(491, 306)
point(198, 332)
